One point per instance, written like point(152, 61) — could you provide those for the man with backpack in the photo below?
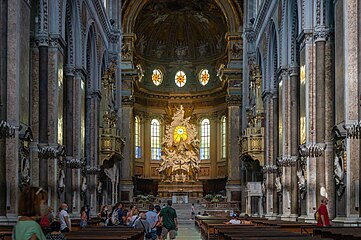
point(117, 215)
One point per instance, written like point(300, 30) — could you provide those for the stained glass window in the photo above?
point(180, 78)
point(204, 77)
point(138, 149)
point(205, 139)
point(155, 139)
point(157, 77)
point(223, 137)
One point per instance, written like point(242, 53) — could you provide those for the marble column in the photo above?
point(43, 110)
point(351, 104)
point(287, 112)
point(126, 183)
point(294, 119)
point(359, 92)
point(233, 186)
point(329, 124)
point(69, 130)
point(3, 98)
point(17, 11)
point(275, 150)
point(320, 42)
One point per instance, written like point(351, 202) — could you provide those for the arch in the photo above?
point(70, 27)
point(272, 60)
point(231, 11)
point(292, 19)
point(90, 56)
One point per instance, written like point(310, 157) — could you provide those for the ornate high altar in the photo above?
point(180, 158)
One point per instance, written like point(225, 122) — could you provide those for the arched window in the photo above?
point(180, 78)
point(157, 77)
point(203, 77)
point(223, 137)
point(155, 139)
point(205, 139)
point(138, 149)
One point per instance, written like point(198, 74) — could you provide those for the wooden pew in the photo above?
point(349, 233)
point(6, 232)
point(111, 233)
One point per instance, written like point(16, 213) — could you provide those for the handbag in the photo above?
point(147, 234)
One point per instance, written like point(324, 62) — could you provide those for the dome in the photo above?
point(180, 30)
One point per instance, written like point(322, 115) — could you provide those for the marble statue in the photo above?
point(278, 184)
point(301, 183)
point(25, 171)
point(61, 183)
point(339, 174)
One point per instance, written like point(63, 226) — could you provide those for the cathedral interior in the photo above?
point(252, 102)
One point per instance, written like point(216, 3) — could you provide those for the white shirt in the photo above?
point(62, 216)
point(234, 221)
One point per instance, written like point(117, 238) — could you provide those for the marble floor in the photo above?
point(188, 232)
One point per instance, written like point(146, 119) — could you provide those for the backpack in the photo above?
point(114, 219)
point(44, 222)
point(316, 215)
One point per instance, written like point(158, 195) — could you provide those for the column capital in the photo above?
point(234, 100)
point(293, 70)
point(42, 40)
point(321, 33)
point(57, 41)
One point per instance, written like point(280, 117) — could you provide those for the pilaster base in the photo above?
point(234, 189)
point(310, 220)
point(10, 219)
point(302, 218)
point(346, 221)
point(126, 189)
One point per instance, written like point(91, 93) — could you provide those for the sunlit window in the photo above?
point(223, 137)
point(155, 139)
point(180, 78)
point(138, 149)
point(205, 139)
point(204, 77)
point(157, 77)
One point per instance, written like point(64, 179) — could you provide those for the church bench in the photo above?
point(121, 233)
point(349, 233)
point(233, 234)
point(6, 232)
point(199, 218)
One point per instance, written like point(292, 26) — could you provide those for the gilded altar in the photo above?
point(180, 162)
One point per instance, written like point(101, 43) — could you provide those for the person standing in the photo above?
point(168, 218)
point(32, 205)
point(323, 219)
point(193, 211)
point(65, 222)
point(152, 218)
point(83, 217)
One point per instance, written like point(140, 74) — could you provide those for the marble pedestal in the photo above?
point(192, 189)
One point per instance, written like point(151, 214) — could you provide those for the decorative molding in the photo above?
point(287, 161)
point(75, 163)
point(7, 130)
point(50, 152)
point(312, 150)
point(353, 131)
point(267, 169)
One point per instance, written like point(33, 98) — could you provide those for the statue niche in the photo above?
point(180, 150)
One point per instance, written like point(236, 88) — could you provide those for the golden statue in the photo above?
point(180, 150)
